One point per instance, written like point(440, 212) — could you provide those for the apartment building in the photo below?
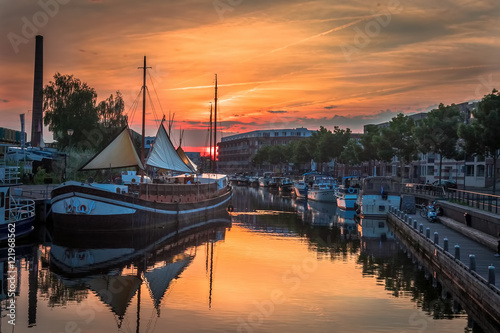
point(235, 152)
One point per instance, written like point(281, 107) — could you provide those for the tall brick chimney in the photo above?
point(37, 110)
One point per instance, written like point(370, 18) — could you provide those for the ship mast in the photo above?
point(214, 165)
point(210, 140)
point(143, 115)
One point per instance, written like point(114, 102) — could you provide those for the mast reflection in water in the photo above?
point(273, 265)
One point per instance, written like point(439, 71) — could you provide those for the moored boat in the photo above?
point(79, 207)
point(16, 215)
point(347, 193)
point(377, 195)
point(323, 189)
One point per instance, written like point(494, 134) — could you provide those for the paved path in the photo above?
point(471, 241)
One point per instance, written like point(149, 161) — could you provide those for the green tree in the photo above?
point(301, 152)
point(397, 140)
point(69, 104)
point(111, 112)
point(329, 145)
point(438, 133)
point(370, 141)
point(352, 153)
point(261, 156)
point(481, 134)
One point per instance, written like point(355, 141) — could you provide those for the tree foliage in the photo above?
point(71, 104)
point(397, 140)
point(481, 134)
point(438, 133)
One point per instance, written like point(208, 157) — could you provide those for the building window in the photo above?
point(430, 170)
point(480, 170)
point(283, 133)
point(469, 171)
point(276, 134)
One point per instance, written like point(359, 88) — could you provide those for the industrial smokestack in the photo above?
point(37, 119)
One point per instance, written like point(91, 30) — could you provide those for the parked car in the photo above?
point(446, 183)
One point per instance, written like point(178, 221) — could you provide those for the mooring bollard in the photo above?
point(415, 224)
point(491, 274)
point(406, 217)
point(427, 232)
point(445, 244)
point(421, 228)
point(436, 238)
point(457, 252)
point(472, 264)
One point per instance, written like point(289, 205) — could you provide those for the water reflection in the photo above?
point(222, 275)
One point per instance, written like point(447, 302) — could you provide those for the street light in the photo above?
point(70, 134)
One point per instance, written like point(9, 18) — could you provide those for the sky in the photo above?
point(280, 64)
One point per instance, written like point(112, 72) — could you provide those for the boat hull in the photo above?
point(77, 209)
point(347, 201)
point(17, 229)
point(322, 195)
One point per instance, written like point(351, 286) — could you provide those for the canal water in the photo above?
point(273, 264)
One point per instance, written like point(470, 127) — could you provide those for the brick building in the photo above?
point(236, 151)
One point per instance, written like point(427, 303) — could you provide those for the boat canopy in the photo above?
point(163, 154)
point(119, 153)
point(186, 159)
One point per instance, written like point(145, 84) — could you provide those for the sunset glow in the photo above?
point(280, 64)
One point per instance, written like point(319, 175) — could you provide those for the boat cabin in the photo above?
point(4, 204)
point(381, 186)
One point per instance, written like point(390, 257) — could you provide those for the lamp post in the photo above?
point(70, 134)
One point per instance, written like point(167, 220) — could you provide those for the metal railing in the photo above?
point(21, 208)
point(487, 202)
point(483, 201)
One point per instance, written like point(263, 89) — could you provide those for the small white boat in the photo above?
point(322, 192)
point(347, 193)
point(346, 198)
point(16, 215)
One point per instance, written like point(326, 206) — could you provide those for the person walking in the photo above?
point(498, 247)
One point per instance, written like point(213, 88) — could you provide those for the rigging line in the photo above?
point(155, 115)
point(133, 109)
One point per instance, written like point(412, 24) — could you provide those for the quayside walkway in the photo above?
point(469, 240)
point(460, 257)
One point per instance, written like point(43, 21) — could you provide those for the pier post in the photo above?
point(406, 218)
point(472, 264)
point(421, 228)
point(491, 274)
point(445, 244)
point(415, 224)
point(457, 252)
point(427, 232)
point(436, 238)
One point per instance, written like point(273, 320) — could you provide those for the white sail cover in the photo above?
point(163, 154)
point(186, 159)
point(120, 153)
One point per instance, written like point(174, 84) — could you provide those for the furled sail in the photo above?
point(119, 153)
point(186, 159)
point(163, 154)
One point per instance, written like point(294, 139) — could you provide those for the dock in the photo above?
point(466, 264)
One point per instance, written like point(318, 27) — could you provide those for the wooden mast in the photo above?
point(143, 116)
point(210, 140)
point(214, 165)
